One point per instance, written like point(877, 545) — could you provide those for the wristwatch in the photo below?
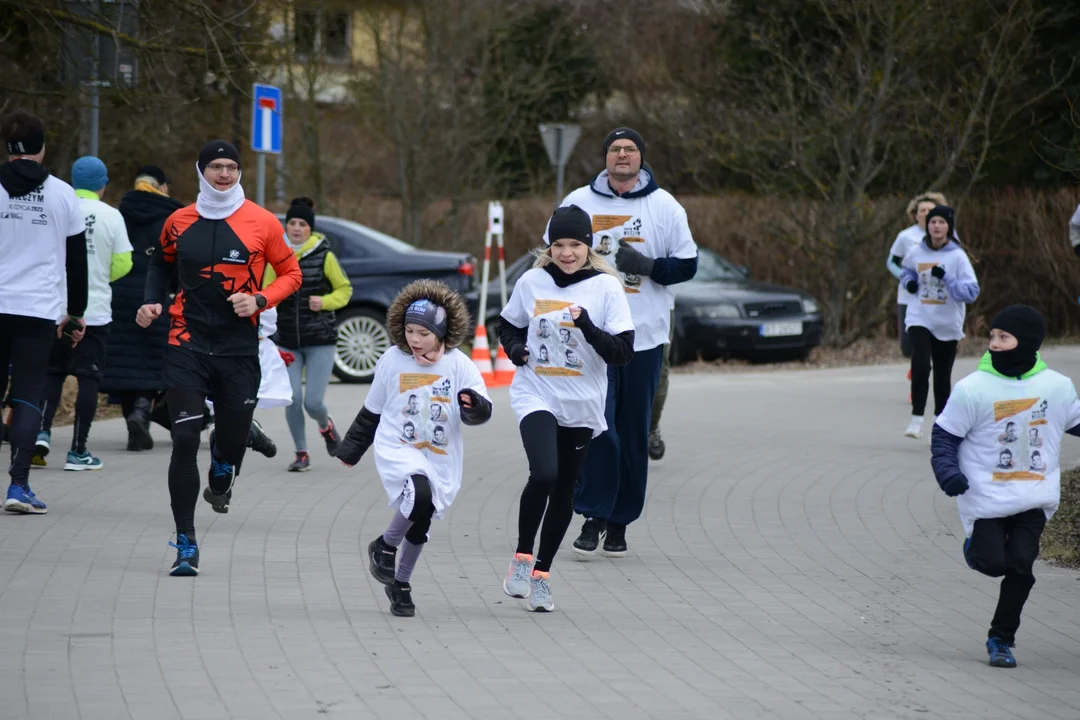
point(260, 300)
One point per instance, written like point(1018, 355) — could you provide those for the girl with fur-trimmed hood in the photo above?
point(421, 471)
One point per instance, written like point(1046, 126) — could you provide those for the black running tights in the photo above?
point(927, 349)
point(25, 344)
point(86, 403)
point(230, 441)
point(555, 455)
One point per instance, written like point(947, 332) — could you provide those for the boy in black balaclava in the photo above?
point(1004, 506)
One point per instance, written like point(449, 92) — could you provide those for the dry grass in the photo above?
point(65, 414)
point(1061, 540)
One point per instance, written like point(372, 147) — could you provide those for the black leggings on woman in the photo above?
point(555, 456)
point(927, 349)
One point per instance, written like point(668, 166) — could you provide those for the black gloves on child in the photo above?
point(938, 272)
point(956, 485)
point(912, 286)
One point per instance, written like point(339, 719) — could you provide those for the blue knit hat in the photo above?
point(89, 173)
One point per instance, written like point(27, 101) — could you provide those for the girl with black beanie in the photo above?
point(1007, 485)
point(559, 400)
point(939, 274)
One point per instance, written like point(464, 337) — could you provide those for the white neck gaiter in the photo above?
point(214, 204)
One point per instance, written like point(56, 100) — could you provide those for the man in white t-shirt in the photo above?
point(1006, 490)
point(652, 249)
point(108, 258)
point(42, 248)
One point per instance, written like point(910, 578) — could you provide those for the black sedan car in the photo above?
point(378, 266)
point(721, 312)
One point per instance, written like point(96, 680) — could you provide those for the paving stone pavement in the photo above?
point(796, 560)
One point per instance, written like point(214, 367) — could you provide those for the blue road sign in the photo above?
point(266, 119)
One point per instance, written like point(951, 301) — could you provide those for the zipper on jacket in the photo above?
point(213, 267)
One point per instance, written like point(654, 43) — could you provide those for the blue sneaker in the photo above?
point(967, 548)
point(219, 469)
point(82, 461)
point(1000, 653)
point(21, 499)
point(187, 558)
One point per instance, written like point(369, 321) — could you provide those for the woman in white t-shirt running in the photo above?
point(938, 273)
point(559, 397)
point(418, 452)
point(909, 237)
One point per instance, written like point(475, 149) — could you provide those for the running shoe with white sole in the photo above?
point(21, 500)
point(914, 428)
point(331, 437)
point(187, 558)
point(516, 584)
point(82, 461)
point(259, 441)
point(540, 592)
point(592, 534)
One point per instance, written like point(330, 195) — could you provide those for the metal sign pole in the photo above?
point(495, 224)
point(561, 166)
point(260, 192)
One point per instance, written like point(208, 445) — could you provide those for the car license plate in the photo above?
point(780, 329)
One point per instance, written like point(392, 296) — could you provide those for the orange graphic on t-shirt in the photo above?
point(411, 381)
point(633, 239)
point(1022, 475)
point(543, 307)
point(1008, 408)
point(557, 372)
point(606, 222)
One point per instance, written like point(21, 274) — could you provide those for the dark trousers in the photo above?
point(25, 345)
point(901, 329)
point(926, 352)
point(1007, 547)
point(614, 478)
point(665, 369)
point(555, 456)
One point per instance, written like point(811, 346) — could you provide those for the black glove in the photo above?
point(956, 485)
point(583, 320)
point(938, 272)
point(630, 261)
point(912, 286)
point(479, 413)
point(519, 354)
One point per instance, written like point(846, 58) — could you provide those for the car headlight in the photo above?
point(810, 307)
point(713, 312)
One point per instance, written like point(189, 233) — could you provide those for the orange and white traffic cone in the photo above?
point(481, 355)
point(504, 369)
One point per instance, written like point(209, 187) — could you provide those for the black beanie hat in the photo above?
point(625, 133)
point(947, 214)
point(155, 172)
point(570, 222)
point(24, 133)
point(217, 150)
point(302, 208)
point(1026, 325)
point(429, 314)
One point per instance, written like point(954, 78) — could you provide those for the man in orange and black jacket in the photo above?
point(218, 250)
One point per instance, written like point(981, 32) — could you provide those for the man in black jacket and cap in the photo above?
point(135, 365)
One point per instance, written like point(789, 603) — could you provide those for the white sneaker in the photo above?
point(540, 592)
point(516, 584)
point(914, 428)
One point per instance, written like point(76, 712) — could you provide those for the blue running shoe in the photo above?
point(1000, 653)
point(82, 461)
point(967, 548)
point(21, 499)
point(220, 473)
point(187, 558)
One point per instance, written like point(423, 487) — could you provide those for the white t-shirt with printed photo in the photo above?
point(934, 307)
point(419, 430)
point(656, 226)
point(34, 229)
point(564, 376)
point(106, 235)
point(1012, 432)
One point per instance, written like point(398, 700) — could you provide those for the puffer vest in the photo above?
point(298, 325)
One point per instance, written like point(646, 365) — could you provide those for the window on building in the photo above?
point(323, 32)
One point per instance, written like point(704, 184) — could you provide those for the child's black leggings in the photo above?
point(555, 456)
point(927, 349)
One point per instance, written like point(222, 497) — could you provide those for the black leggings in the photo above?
point(86, 403)
point(422, 512)
point(230, 442)
point(555, 455)
point(25, 344)
point(927, 349)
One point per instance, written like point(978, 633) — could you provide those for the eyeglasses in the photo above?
point(630, 150)
point(219, 168)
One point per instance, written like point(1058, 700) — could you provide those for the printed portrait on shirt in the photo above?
point(408, 432)
point(543, 356)
point(1034, 438)
point(561, 338)
point(426, 400)
point(1009, 436)
point(572, 359)
point(605, 245)
point(438, 412)
point(1005, 460)
point(543, 330)
point(567, 338)
point(438, 436)
point(1037, 464)
point(633, 281)
point(412, 406)
point(931, 289)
